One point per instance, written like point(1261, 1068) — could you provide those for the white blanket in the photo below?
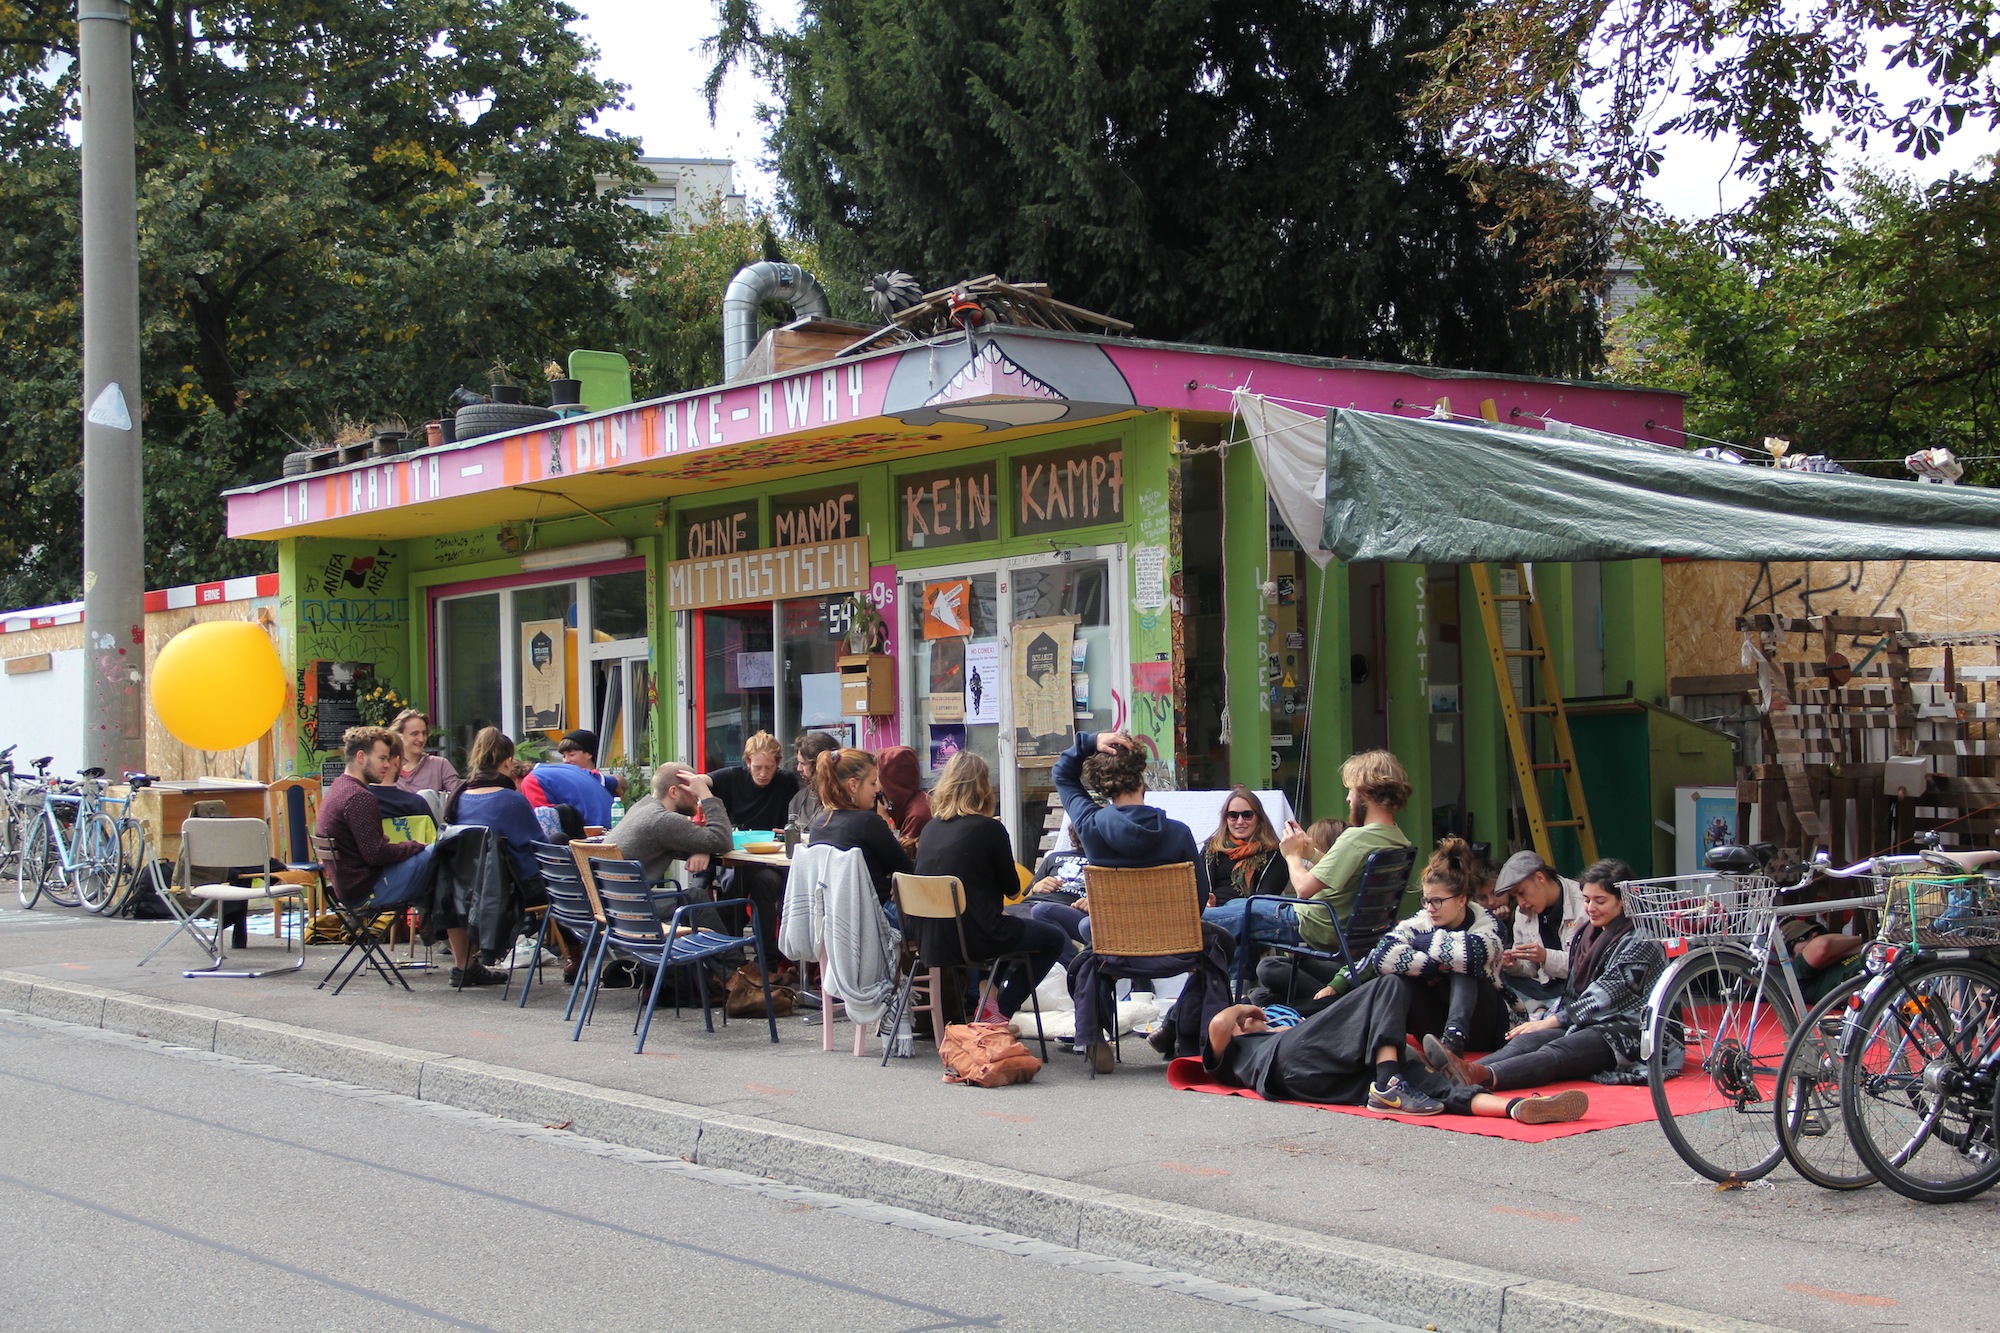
point(837, 910)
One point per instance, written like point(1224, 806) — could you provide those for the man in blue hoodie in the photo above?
point(1127, 832)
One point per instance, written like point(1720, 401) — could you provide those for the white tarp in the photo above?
point(1291, 448)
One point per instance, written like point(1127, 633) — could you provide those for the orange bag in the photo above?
point(986, 1055)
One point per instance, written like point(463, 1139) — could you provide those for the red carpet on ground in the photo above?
point(1609, 1106)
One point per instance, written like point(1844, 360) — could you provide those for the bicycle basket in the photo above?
point(1701, 908)
point(1942, 912)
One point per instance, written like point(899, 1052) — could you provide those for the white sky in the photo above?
point(653, 48)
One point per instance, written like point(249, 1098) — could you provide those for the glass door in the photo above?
point(1064, 625)
point(955, 667)
point(735, 694)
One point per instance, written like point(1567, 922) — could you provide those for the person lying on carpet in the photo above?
point(1350, 1053)
point(1594, 1025)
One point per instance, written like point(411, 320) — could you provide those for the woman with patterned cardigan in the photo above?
point(1448, 955)
point(1594, 1027)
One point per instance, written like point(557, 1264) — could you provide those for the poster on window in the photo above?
point(982, 682)
point(1043, 716)
point(948, 680)
point(948, 609)
point(544, 676)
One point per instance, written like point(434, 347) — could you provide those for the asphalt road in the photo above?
point(145, 1187)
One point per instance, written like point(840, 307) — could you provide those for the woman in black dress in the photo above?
point(848, 783)
point(964, 839)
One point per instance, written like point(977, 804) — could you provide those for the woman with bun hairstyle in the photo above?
point(1449, 955)
point(848, 782)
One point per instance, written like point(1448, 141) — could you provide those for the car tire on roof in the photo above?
point(492, 418)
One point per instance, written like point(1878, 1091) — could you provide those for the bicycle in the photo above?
point(1920, 1068)
point(71, 852)
point(1716, 1011)
point(11, 819)
point(131, 841)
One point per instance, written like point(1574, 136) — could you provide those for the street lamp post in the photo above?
point(114, 589)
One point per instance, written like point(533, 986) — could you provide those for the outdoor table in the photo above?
point(164, 806)
point(739, 857)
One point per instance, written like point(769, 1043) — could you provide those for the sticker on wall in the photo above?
point(544, 679)
point(947, 739)
point(982, 682)
point(1149, 577)
point(948, 609)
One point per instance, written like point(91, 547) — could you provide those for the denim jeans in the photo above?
point(403, 882)
point(1276, 923)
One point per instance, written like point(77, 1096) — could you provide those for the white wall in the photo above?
point(42, 712)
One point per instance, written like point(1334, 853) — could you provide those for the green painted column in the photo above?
point(1552, 591)
point(1486, 762)
point(1635, 642)
point(1245, 557)
point(1331, 739)
point(1405, 600)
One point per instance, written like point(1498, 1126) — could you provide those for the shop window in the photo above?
point(618, 606)
point(957, 676)
point(469, 641)
point(545, 659)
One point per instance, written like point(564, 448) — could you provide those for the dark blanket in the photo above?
point(1093, 981)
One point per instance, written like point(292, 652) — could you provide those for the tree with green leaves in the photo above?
point(1225, 171)
point(1864, 329)
point(1582, 89)
point(345, 209)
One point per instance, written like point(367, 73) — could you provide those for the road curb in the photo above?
point(1399, 1285)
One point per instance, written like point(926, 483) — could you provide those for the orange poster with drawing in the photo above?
point(948, 609)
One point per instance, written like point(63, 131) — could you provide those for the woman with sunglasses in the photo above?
point(1242, 851)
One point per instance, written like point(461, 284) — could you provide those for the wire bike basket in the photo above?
point(1942, 912)
point(1686, 911)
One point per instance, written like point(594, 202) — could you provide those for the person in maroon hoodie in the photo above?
point(367, 867)
point(903, 793)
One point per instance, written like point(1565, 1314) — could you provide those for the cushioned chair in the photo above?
point(942, 898)
point(1378, 904)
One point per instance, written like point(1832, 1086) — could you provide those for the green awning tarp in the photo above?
point(1420, 492)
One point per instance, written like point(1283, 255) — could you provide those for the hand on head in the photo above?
point(1236, 1021)
point(1110, 742)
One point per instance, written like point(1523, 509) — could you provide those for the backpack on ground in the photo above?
point(986, 1055)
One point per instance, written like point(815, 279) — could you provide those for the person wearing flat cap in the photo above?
point(1548, 911)
point(574, 781)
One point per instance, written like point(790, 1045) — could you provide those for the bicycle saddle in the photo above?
point(10, 750)
point(1731, 860)
point(138, 780)
point(1969, 860)
point(92, 772)
point(45, 761)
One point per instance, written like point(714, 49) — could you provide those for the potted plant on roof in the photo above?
point(502, 388)
point(563, 391)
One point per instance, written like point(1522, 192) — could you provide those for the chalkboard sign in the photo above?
point(1070, 488)
point(947, 508)
point(334, 691)
point(816, 516)
point(720, 530)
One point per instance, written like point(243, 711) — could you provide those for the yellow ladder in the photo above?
point(1536, 649)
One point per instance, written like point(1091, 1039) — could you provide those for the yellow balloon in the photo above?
point(218, 685)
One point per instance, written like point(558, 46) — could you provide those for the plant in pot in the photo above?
point(864, 625)
point(503, 389)
point(563, 391)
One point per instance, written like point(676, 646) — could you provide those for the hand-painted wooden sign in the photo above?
point(720, 530)
point(1070, 488)
point(824, 515)
point(947, 508)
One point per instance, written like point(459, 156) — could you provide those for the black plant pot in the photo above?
point(506, 393)
point(448, 430)
point(565, 393)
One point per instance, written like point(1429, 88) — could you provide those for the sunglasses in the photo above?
point(1241, 814)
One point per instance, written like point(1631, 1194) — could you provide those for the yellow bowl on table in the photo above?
point(763, 848)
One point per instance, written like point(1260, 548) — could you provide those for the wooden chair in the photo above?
point(942, 898)
point(292, 819)
point(1143, 912)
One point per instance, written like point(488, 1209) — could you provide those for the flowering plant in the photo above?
point(378, 706)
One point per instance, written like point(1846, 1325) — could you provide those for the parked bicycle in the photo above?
point(71, 854)
point(1920, 1054)
point(1724, 1010)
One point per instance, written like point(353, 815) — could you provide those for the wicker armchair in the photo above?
point(1146, 912)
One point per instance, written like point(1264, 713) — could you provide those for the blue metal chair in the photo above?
point(633, 929)
point(1378, 904)
point(569, 908)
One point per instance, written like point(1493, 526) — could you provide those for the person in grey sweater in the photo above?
point(660, 829)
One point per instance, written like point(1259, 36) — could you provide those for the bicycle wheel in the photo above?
point(36, 866)
point(131, 854)
point(1810, 1129)
point(96, 855)
point(1919, 1081)
point(1733, 1032)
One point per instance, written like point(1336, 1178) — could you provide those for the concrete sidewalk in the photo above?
point(1602, 1230)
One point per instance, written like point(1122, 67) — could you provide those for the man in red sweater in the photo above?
point(367, 867)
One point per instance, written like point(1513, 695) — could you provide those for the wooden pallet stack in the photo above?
point(1871, 732)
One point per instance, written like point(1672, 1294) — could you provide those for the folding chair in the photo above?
point(228, 845)
point(1146, 912)
point(942, 898)
point(1378, 903)
point(570, 910)
point(633, 928)
point(359, 921)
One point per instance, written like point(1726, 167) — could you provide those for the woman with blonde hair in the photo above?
point(963, 838)
point(417, 769)
point(848, 782)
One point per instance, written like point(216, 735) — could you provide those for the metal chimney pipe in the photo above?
point(749, 289)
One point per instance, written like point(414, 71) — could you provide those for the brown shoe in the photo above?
point(1441, 1059)
point(1557, 1109)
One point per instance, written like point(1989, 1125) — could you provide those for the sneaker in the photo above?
point(1440, 1058)
point(526, 954)
point(1556, 1109)
point(476, 975)
point(989, 1011)
point(1400, 1098)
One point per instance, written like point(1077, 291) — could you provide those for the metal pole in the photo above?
point(114, 587)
